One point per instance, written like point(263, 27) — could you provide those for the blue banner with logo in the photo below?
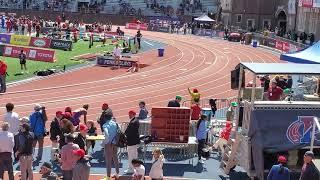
point(277, 130)
point(282, 130)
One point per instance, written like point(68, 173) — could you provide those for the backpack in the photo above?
point(120, 138)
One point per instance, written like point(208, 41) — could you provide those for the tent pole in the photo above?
point(239, 95)
point(253, 92)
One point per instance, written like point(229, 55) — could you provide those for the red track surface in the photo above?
point(189, 61)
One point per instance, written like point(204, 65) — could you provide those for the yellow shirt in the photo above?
point(194, 96)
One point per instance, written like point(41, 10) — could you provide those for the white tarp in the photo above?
point(204, 18)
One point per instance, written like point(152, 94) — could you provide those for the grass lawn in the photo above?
point(62, 58)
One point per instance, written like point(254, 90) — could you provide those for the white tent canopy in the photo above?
point(204, 18)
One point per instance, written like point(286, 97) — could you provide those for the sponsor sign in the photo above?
point(5, 38)
point(137, 26)
point(40, 42)
point(35, 54)
point(1, 49)
point(291, 129)
point(158, 28)
point(271, 43)
point(306, 3)
point(20, 40)
point(61, 44)
point(279, 45)
point(293, 48)
point(316, 3)
point(104, 61)
point(292, 7)
point(299, 132)
point(285, 46)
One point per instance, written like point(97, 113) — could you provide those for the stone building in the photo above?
point(259, 14)
point(308, 17)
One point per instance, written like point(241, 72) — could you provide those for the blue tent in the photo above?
point(310, 55)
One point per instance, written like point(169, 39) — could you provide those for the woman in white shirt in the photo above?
point(139, 170)
point(117, 55)
point(156, 172)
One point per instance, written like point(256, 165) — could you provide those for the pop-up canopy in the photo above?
point(282, 68)
point(204, 18)
point(308, 56)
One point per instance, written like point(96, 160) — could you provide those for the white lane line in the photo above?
point(148, 43)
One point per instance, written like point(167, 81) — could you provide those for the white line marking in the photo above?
point(148, 43)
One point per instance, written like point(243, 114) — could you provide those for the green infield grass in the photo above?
point(63, 58)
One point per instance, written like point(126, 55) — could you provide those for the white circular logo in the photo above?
point(39, 43)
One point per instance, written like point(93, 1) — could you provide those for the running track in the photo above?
point(189, 61)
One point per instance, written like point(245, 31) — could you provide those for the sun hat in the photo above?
point(37, 107)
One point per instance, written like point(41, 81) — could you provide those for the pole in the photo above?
point(253, 92)
point(239, 95)
point(313, 133)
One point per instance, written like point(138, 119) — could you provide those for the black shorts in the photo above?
point(23, 62)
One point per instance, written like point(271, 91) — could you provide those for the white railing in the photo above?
point(316, 124)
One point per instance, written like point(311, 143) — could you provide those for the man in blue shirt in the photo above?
point(37, 124)
point(110, 149)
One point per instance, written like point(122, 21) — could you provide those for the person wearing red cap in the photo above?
point(132, 133)
point(224, 137)
point(106, 110)
point(68, 109)
point(81, 170)
point(81, 138)
point(279, 171)
point(194, 95)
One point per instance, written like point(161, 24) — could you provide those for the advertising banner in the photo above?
point(271, 43)
point(104, 61)
point(40, 42)
point(20, 40)
point(316, 3)
point(61, 44)
point(44, 55)
point(137, 26)
point(1, 49)
point(290, 129)
point(279, 45)
point(285, 46)
point(5, 38)
point(292, 7)
point(157, 28)
point(280, 130)
point(307, 3)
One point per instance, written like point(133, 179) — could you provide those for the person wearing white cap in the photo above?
point(37, 123)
